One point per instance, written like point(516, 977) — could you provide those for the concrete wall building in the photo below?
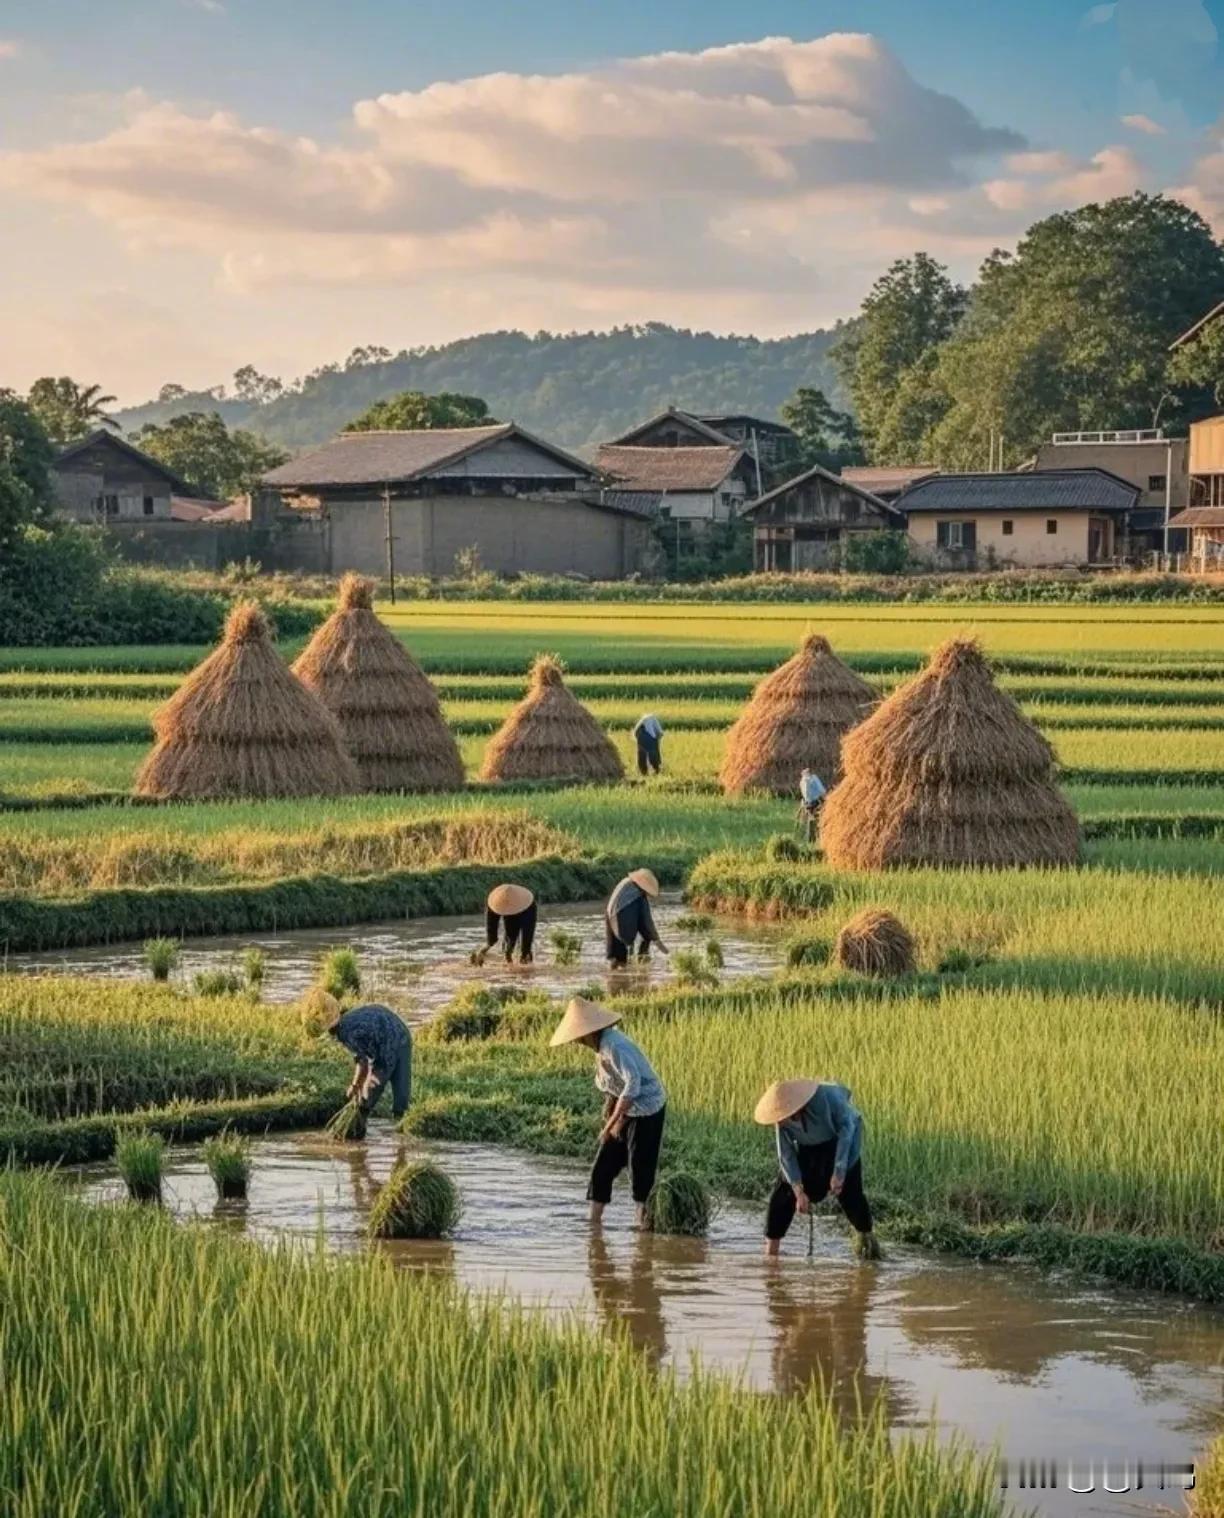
point(1039, 520)
point(805, 524)
point(1158, 466)
point(522, 504)
point(102, 479)
point(1207, 462)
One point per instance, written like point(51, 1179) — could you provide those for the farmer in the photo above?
point(648, 733)
point(510, 909)
point(628, 919)
point(635, 1104)
point(378, 1041)
point(820, 1146)
point(812, 793)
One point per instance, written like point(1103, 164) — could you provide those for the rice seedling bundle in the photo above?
point(162, 956)
point(242, 725)
point(340, 973)
point(679, 1203)
point(139, 1156)
point(807, 952)
point(254, 968)
point(218, 983)
point(875, 942)
point(796, 719)
point(228, 1159)
point(349, 1124)
point(418, 1200)
point(692, 969)
point(550, 736)
point(388, 712)
point(948, 771)
point(567, 947)
point(715, 957)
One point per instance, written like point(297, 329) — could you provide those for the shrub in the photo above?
point(417, 1201)
point(162, 956)
point(340, 973)
point(877, 553)
point(139, 1156)
point(228, 1158)
point(679, 1203)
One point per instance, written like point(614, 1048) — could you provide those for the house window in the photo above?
point(110, 504)
point(956, 534)
point(1009, 527)
point(148, 505)
point(1156, 483)
point(1051, 524)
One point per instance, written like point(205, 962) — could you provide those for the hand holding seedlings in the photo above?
point(378, 1041)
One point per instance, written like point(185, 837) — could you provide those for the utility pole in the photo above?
point(390, 536)
point(1168, 496)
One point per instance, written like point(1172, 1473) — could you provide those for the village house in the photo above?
point(420, 500)
point(1025, 520)
point(104, 480)
point(807, 522)
point(1158, 466)
point(1206, 466)
point(1200, 527)
point(770, 445)
point(887, 482)
point(691, 489)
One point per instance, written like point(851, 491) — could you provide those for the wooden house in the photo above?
point(806, 523)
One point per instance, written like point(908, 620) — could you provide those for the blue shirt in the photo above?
point(811, 788)
point(621, 1069)
point(375, 1034)
point(828, 1115)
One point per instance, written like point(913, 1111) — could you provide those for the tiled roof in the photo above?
point(818, 471)
point(1199, 516)
point(887, 480)
point(697, 468)
point(673, 414)
point(1044, 490)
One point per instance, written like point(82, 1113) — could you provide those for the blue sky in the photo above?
point(276, 181)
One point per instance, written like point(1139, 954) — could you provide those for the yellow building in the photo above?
point(1207, 462)
point(1049, 519)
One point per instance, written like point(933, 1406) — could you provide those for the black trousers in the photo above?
point(638, 1148)
point(519, 929)
point(816, 1168)
point(649, 756)
point(634, 925)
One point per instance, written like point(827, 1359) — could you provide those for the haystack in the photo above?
point(948, 771)
point(388, 711)
point(796, 719)
point(875, 942)
point(550, 736)
point(242, 725)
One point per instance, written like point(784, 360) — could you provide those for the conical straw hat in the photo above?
point(508, 899)
point(320, 1012)
point(582, 1017)
point(647, 879)
point(784, 1099)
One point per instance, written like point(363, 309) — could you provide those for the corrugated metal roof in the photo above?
point(377, 458)
point(698, 468)
point(1199, 516)
point(1044, 490)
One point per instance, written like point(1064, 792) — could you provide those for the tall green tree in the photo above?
point(201, 449)
point(909, 311)
point(1196, 373)
point(25, 469)
point(413, 409)
point(1071, 332)
point(69, 411)
point(826, 435)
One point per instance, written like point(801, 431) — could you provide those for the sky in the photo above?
point(188, 186)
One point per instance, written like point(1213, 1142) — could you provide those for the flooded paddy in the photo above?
point(1037, 1367)
point(422, 962)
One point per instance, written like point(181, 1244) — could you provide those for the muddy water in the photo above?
point(1033, 1366)
point(421, 963)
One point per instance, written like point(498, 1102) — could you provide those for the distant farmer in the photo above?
point(378, 1041)
point(628, 919)
point(812, 793)
point(635, 1104)
point(510, 913)
point(820, 1146)
point(648, 731)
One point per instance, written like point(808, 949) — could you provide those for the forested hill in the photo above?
point(575, 389)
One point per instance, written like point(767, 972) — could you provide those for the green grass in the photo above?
point(154, 1369)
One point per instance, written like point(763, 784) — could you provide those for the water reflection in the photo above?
point(629, 1300)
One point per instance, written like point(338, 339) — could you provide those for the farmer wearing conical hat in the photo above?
point(510, 910)
point(628, 919)
point(635, 1104)
point(820, 1146)
point(378, 1041)
point(648, 735)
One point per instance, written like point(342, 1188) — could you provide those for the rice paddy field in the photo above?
point(1045, 1090)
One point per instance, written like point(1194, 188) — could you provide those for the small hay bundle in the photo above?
point(550, 736)
point(241, 725)
point(388, 712)
point(417, 1201)
point(349, 1124)
point(948, 771)
point(679, 1203)
point(796, 718)
point(874, 942)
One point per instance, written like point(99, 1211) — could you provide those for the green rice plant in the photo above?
point(340, 973)
point(418, 1200)
point(254, 969)
point(679, 1203)
point(694, 922)
point(1208, 1498)
point(808, 952)
point(161, 955)
point(715, 957)
point(228, 1159)
point(139, 1156)
point(782, 848)
point(218, 983)
point(349, 1124)
point(474, 1012)
point(959, 961)
point(567, 947)
point(691, 969)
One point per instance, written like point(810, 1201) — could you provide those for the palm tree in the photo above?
point(67, 410)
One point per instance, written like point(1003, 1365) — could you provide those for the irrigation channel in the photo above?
point(424, 961)
point(1034, 1366)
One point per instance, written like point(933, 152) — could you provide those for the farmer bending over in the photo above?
point(820, 1146)
point(648, 734)
point(628, 919)
point(811, 798)
point(635, 1104)
point(510, 911)
point(378, 1041)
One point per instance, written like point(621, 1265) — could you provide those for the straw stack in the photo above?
point(796, 718)
point(948, 771)
point(388, 712)
point(242, 725)
point(550, 736)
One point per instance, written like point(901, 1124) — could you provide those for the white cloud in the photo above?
point(1099, 15)
point(1141, 123)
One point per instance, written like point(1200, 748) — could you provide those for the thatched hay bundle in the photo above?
point(679, 1203)
point(948, 771)
point(796, 718)
point(550, 735)
point(241, 725)
point(874, 942)
point(388, 711)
